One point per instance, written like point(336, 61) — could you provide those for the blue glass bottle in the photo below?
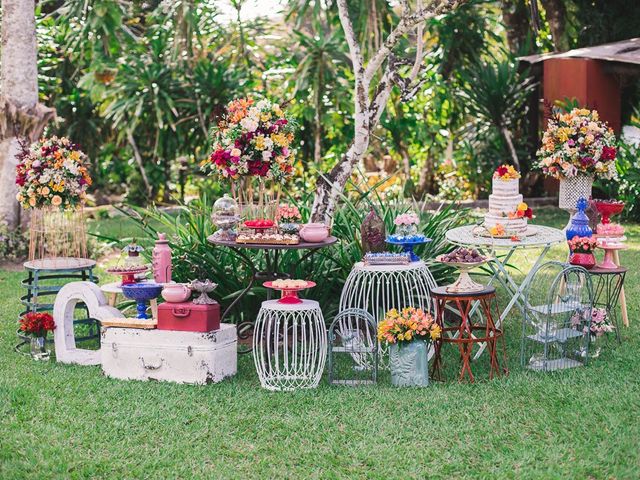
point(579, 224)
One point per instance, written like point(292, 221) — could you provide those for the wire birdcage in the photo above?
point(57, 236)
point(555, 329)
point(353, 349)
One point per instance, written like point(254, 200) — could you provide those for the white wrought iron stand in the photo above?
point(290, 345)
point(544, 238)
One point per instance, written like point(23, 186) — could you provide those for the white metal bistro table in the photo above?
point(543, 239)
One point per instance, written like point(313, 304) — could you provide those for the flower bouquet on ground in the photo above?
point(596, 324)
point(288, 218)
point(36, 325)
point(582, 249)
point(409, 333)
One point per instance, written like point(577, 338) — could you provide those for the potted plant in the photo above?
point(594, 322)
point(582, 249)
point(409, 333)
point(37, 325)
point(576, 148)
point(288, 217)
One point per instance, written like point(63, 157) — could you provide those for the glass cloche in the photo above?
point(225, 217)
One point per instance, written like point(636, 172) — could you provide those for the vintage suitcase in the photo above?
point(188, 317)
point(182, 357)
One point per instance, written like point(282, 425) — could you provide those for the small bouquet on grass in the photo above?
point(52, 172)
point(582, 244)
point(37, 324)
point(407, 325)
point(577, 143)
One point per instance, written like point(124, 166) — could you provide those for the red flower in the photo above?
point(502, 170)
point(528, 213)
point(608, 153)
point(37, 323)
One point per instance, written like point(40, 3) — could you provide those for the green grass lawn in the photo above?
point(59, 421)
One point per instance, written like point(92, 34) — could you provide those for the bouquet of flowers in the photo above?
point(582, 244)
point(52, 172)
point(506, 172)
point(37, 324)
point(252, 139)
point(408, 218)
point(577, 143)
point(408, 324)
point(288, 214)
point(599, 322)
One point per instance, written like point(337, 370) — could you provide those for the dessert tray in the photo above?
point(267, 238)
point(128, 272)
point(464, 283)
point(386, 258)
point(289, 289)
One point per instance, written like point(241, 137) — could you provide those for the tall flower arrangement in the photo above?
point(577, 143)
point(253, 139)
point(52, 173)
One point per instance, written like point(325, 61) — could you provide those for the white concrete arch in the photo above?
point(63, 310)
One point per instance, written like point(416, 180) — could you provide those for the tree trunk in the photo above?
point(557, 18)
point(517, 19)
point(19, 86)
point(512, 150)
point(317, 128)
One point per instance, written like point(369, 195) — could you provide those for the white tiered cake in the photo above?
point(505, 202)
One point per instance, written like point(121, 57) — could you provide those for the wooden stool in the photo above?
point(463, 335)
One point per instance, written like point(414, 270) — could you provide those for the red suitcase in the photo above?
point(188, 317)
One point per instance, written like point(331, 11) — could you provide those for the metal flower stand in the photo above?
point(379, 288)
point(289, 345)
point(607, 287)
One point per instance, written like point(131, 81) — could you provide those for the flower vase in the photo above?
point(585, 260)
point(407, 230)
point(571, 189)
point(409, 363)
point(290, 228)
point(595, 345)
point(38, 347)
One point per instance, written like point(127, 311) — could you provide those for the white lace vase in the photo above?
point(572, 188)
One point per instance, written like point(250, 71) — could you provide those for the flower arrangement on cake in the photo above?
point(577, 143)
point(407, 325)
point(252, 139)
point(52, 173)
point(508, 214)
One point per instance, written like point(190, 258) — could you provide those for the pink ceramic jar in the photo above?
point(176, 292)
point(314, 232)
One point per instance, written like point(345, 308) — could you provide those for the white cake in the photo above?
point(502, 202)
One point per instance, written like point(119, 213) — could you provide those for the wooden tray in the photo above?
point(149, 323)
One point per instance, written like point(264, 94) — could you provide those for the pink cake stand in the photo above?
point(609, 249)
point(289, 296)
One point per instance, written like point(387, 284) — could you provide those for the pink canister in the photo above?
point(161, 260)
point(314, 232)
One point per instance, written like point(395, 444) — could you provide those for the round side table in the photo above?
point(467, 334)
point(290, 345)
point(44, 280)
point(607, 287)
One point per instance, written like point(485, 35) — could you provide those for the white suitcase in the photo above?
point(172, 356)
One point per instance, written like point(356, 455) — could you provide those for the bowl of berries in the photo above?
point(464, 260)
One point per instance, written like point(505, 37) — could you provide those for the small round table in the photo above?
point(45, 278)
point(607, 286)
point(290, 345)
point(272, 271)
point(463, 334)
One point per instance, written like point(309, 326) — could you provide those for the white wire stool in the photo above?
point(289, 345)
point(377, 289)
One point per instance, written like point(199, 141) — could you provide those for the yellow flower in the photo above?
point(279, 139)
point(32, 201)
point(435, 332)
point(522, 206)
point(259, 142)
point(56, 200)
point(265, 117)
point(75, 155)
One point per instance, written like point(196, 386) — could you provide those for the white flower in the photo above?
point(263, 104)
point(266, 155)
point(249, 124)
point(235, 152)
point(268, 143)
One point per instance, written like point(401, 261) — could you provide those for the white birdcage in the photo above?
point(290, 345)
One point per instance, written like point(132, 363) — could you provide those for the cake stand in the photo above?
point(607, 209)
point(128, 275)
point(289, 296)
point(407, 244)
point(464, 283)
point(610, 249)
point(142, 293)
